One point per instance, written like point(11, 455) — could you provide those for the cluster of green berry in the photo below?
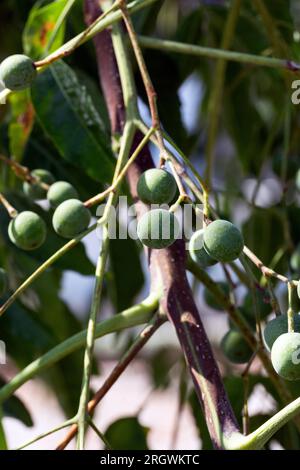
point(158, 228)
point(233, 345)
point(28, 230)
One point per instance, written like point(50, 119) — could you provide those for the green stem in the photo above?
point(291, 312)
point(47, 433)
point(59, 23)
point(58, 254)
point(99, 433)
point(126, 144)
point(125, 72)
point(90, 338)
point(212, 53)
point(238, 319)
point(84, 36)
point(257, 439)
point(215, 101)
point(134, 316)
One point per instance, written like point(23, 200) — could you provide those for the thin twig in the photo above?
point(151, 93)
point(212, 53)
point(128, 357)
point(126, 143)
point(12, 212)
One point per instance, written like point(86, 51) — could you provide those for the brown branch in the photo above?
point(128, 357)
point(167, 267)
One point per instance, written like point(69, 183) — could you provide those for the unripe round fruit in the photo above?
point(235, 347)
point(71, 218)
point(34, 190)
point(158, 228)
point(59, 192)
point(285, 356)
point(17, 72)
point(277, 327)
point(156, 186)
point(27, 230)
point(198, 252)
point(211, 300)
point(3, 282)
point(223, 241)
point(263, 306)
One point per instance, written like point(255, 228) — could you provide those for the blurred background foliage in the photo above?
point(62, 125)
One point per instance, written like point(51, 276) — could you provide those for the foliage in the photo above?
point(61, 125)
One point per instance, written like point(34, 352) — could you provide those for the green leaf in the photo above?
point(127, 434)
point(39, 28)
point(161, 363)
point(69, 117)
point(263, 233)
point(126, 271)
point(21, 123)
point(15, 408)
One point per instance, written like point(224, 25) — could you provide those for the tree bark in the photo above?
point(168, 266)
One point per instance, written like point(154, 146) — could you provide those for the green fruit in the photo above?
point(211, 300)
point(198, 252)
point(71, 218)
point(277, 327)
point(27, 230)
point(223, 241)
point(285, 356)
point(235, 347)
point(3, 282)
point(35, 191)
point(156, 186)
point(61, 191)
point(263, 304)
point(158, 228)
point(17, 72)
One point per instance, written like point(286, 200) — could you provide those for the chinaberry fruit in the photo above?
point(285, 356)
point(235, 347)
point(71, 218)
point(17, 72)
point(59, 192)
point(35, 190)
point(198, 252)
point(27, 230)
point(277, 327)
point(158, 228)
point(223, 241)
point(156, 186)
